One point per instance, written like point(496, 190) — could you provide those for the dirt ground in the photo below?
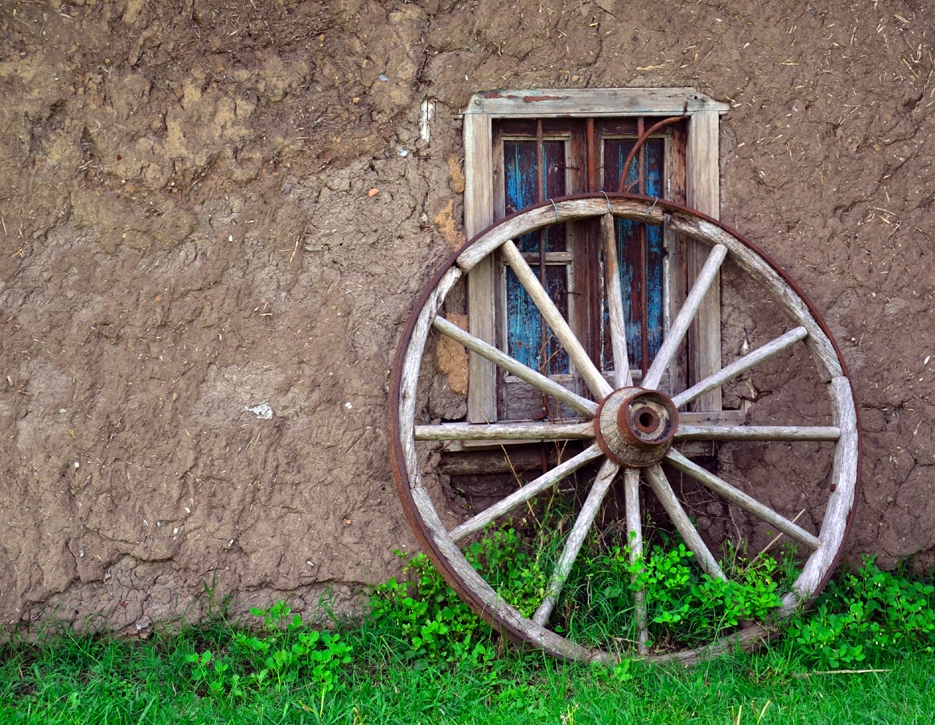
point(216, 217)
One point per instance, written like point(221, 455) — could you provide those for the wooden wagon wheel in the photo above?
point(628, 431)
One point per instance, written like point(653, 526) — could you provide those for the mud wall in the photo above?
point(217, 216)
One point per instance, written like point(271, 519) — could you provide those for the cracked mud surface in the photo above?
point(188, 232)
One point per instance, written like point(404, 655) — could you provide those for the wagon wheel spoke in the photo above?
point(514, 367)
point(618, 330)
point(576, 537)
point(738, 497)
point(527, 492)
point(684, 319)
point(502, 431)
point(741, 365)
point(757, 433)
point(631, 483)
point(663, 490)
point(550, 313)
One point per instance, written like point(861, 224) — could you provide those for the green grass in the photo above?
point(109, 681)
point(420, 658)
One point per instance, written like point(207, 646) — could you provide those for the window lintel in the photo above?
point(585, 102)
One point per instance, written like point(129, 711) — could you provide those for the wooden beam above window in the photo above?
point(585, 102)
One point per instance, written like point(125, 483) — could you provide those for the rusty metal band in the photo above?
point(638, 146)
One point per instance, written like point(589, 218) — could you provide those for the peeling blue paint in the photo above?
point(525, 340)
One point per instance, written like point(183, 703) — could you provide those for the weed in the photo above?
point(284, 653)
point(429, 618)
point(866, 615)
point(685, 607)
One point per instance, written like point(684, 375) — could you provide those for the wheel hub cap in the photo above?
point(635, 427)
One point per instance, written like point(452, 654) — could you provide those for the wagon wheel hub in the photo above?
point(635, 427)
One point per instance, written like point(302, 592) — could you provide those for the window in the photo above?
point(528, 146)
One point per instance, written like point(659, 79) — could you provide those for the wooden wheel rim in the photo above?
point(420, 511)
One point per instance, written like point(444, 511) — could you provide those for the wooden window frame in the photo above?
point(702, 193)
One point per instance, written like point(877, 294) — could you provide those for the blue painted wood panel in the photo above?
point(527, 341)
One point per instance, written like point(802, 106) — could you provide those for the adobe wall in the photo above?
point(190, 231)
